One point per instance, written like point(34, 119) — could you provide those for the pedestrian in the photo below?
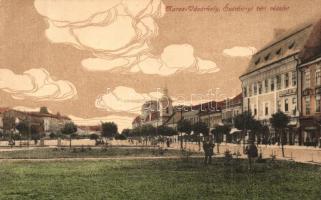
point(252, 152)
point(208, 147)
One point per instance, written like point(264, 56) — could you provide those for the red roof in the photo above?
point(136, 120)
point(312, 48)
point(57, 116)
point(3, 109)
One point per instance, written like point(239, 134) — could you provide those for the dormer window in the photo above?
point(291, 45)
point(267, 57)
point(257, 61)
point(278, 52)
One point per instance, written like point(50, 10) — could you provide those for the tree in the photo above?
point(244, 122)
point(148, 131)
point(108, 129)
point(279, 122)
point(184, 126)
point(166, 131)
point(93, 136)
point(218, 133)
point(198, 128)
point(69, 129)
point(22, 127)
point(120, 137)
point(126, 132)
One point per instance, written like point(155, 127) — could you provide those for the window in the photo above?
point(278, 82)
point(260, 87)
point(307, 105)
point(307, 79)
point(272, 84)
point(257, 61)
point(245, 91)
point(291, 45)
point(279, 105)
point(266, 85)
point(255, 89)
point(286, 80)
point(317, 103)
point(294, 78)
point(267, 57)
point(266, 109)
point(278, 51)
point(294, 105)
point(286, 105)
point(255, 110)
point(318, 77)
point(250, 90)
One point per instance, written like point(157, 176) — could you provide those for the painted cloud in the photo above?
point(124, 99)
point(240, 51)
point(119, 34)
point(35, 84)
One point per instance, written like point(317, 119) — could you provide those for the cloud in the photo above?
point(239, 51)
point(175, 58)
point(121, 121)
point(119, 34)
point(124, 99)
point(35, 84)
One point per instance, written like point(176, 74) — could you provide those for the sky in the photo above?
point(100, 60)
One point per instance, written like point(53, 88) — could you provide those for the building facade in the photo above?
point(310, 89)
point(270, 83)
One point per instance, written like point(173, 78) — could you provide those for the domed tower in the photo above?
point(165, 106)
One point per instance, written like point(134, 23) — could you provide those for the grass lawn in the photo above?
point(89, 152)
point(158, 179)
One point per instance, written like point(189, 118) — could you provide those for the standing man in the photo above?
point(208, 147)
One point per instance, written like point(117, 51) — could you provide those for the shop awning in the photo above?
point(310, 128)
point(234, 130)
point(292, 123)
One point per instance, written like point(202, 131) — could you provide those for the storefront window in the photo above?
point(307, 105)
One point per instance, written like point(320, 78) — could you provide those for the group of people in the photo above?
point(208, 146)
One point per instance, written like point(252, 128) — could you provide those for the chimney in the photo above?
point(278, 32)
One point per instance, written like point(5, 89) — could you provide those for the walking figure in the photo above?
point(252, 152)
point(208, 147)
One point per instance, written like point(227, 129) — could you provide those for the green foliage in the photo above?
point(219, 131)
point(93, 136)
point(69, 129)
point(126, 132)
point(279, 120)
point(148, 130)
point(200, 127)
point(184, 126)
point(244, 121)
point(109, 129)
point(120, 137)
point(166, 131)
point(22, 127)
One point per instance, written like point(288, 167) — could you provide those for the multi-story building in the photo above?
point(155, 112)
point(44, 121)
point(231, 109)
point(310, 89)
point(270, 82)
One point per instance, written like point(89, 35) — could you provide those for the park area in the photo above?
point(150, 173)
